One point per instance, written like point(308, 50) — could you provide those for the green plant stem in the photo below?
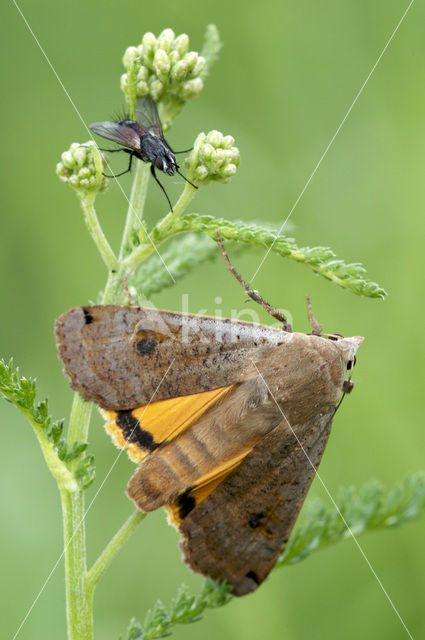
point(79, 599)
point(62, 475)
point(96, 232)
point(79, 420)
point(166, 224)
point(80, 584)
point(79, 606)
point(112, 548)
point(113, 292)
point(136, 207)
point(162, 231)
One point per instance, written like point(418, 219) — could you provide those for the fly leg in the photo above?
point(117, 175)
point(166, 195)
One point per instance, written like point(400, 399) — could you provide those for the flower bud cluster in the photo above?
point(213, 158)
point(82, 166)
point(163, 67)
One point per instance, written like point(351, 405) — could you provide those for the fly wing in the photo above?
point(125, 357)
point(120, 133)
point(147, 115)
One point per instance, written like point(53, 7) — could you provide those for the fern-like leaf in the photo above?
point(322, 260)
point(71, 465)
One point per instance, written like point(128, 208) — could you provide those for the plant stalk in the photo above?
point(80, 584)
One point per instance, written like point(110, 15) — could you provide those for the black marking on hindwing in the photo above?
point(133, 432)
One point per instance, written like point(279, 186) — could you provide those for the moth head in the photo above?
point(348, 349)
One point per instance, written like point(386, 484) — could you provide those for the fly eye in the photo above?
point(159, 163)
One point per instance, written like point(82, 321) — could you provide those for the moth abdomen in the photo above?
point(170, 472)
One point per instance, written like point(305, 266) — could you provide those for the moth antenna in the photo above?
point(254, 295)
point(315, 326)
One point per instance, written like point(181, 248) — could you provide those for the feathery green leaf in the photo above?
point(322, 260)
point(71, 465)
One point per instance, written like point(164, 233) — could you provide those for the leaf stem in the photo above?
point(113, 547)
point(96, 231)
point(58, 469)
point(164, 226)
point(79, 420)
point(162, 231)
point(136, 207)
point(79, 600)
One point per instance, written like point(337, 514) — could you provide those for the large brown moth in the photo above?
point(228, 420)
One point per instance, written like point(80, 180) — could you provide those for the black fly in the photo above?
point(143, 139)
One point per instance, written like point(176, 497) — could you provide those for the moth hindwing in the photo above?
point(227, 419)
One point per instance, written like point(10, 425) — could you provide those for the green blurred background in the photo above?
point(287, 74)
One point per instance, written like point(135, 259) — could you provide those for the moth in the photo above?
point(142, 138)
point(227, 420)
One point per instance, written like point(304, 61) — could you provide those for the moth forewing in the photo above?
point(229, 420)
point(118, 356)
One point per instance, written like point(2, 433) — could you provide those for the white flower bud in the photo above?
point(82, 167)
point(148, 43)
point(228, 142)
point(229, 170)
point(149, 47)
point(200, 64)
point(215, 138)
point(218, 157)
point(190, 61)
point(166, 39)
point(178, 71)
point(155, 88)
point(67, 159)
point(124, 82)
point(143, 73)
point(191, 88)
point(201, 173)
point(161, 64)
point(80, 155)
point(174, 57)
point(206, 151)
point(210, 160)
point(181, 44)
point(142, 89)
point(130, 56)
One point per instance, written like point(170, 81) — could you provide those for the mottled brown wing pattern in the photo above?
point(256, 506)
point(215, 411)
point(125, 357)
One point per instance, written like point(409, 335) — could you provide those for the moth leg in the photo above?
point(127, 291)
point(315, 326)
point(166, 195)
point(254, 295)
point(117, 175)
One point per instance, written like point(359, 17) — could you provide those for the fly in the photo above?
point(143, 139)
